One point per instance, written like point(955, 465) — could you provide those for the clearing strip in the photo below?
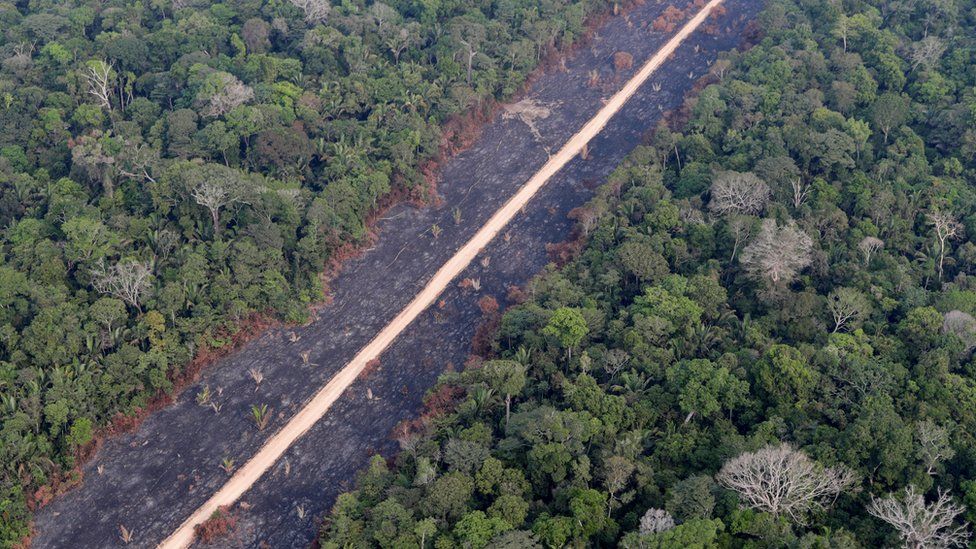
point(316, 408)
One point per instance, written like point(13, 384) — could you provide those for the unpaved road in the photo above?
point(169, 467)
point(250, 472)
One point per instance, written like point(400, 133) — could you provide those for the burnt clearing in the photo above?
point(149, 481)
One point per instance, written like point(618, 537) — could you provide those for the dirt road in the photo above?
point(170, 467)
point(250, 472)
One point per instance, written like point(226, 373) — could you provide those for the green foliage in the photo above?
point(227, 148)
point(679, 360)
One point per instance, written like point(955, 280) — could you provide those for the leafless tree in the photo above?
point(614, 360)
point(869, 245)
point(847, 306)
point(927, 51)
point(138, 161)
point(617, 471)
point(316, 11)
point(656, 520)
point(801, 189)
point(782, 481)
point(22, 59)
point(738, 192)
point(933, 445)
point(740, 227)
point(777, 253)
point(961, 325)
point(215, 187)
point(922, 525)
point(946, 227)
point(101, 82)
point(126, 280)
point(229, 93)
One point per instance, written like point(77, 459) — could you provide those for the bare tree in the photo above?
point(213, 195)
point(869, 245)
point(224, 92)
point(782, 481)
point(137, 160)
point(933, 445)
point(847, 306)
point(126, 280)
point(316, 11)
point(946, 227)
point(738, 192)
point(801, 189)
point(777, 253)
point(656, 520)
point(961, 325)
point(617, 471)
point(215, 186)
point(740, 227)
point(469, 35)
point(101, 82)
point(922, 525)
point(927, 51)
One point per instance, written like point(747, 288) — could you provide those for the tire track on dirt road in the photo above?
point(322, 401)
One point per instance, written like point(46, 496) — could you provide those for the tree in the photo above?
point(617, 471)
point(214, 187)
point(506, 377)
point(933, 445)
point(946, 227)
point(127, 280)
point(101, 82)
point(927, 51)
point(740, 227)
point(782, 481)
point(469, 34)
point(568, 326)
point(921, 525)
point(738, 192)
point(847, 306)
point(890, 110)
point(316, 11)
point(777, 253)
point(705, 389)
point(654, 521)
point(692, 498)
point(868, 246)
point(424, 529)
point(961, 325)
point(448, 496)
point(221, 93)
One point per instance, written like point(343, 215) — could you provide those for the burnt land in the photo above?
point(152, 479)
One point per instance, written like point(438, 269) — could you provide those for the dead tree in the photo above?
point(101, 82)
point(846, 306)
point(778, 253)
point(922, 525)
point(738, 192)
point(933, 445)
point(316, 11)
point(869, 245)
point(782, 481)
point(946, 227)
point(655, 521)
point(126, 280)
point(961, 325)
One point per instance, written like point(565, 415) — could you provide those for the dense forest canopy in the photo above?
point(169, 167)
point(767, 339)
